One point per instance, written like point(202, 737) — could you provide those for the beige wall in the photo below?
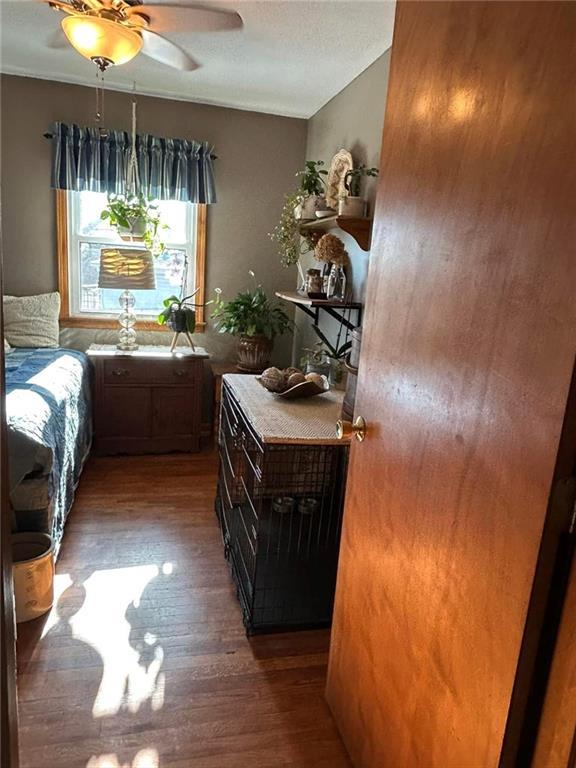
point(258, 157)
point(352, 120)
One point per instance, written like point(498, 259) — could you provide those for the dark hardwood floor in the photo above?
point(143, 662)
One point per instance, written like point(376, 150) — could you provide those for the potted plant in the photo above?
point(136, 219)
point(312, 187)
point(354, 204)
point(256, 321)
point(336, 355)
point(179, 314)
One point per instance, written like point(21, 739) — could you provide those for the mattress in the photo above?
point(48, 415)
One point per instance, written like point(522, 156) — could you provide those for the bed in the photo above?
point(48, 415)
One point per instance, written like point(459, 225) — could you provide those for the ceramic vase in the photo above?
point(254, 353)
point(308, 207)
point(352, 207)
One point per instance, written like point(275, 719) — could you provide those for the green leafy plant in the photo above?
point(180, 314)
point(353, 179)
point(135, 216)
point(250, 313)
point(337, 352)
point(311, 181)
point(287, 233)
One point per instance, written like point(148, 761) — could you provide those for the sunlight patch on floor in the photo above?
point(111, 622)
point(61, 582)
point(145, 758)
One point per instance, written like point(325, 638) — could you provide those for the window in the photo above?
point(81, 236)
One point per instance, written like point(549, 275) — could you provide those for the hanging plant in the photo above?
point(136, 219)
point(287, 234)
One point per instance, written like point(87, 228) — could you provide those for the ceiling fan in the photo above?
point(113, 32)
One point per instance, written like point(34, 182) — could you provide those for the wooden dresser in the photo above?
point(279, 503)
point(147, 401)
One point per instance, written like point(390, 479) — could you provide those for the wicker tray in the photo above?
point(305, 389)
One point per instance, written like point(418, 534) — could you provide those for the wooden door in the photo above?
point(468, 349)
point(556, 736)
point(8, 706)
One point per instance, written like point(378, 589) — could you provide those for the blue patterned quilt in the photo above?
point(48, 414)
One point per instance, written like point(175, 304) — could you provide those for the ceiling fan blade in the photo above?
point(58, 39)
point(158, 48)
point(167, 17)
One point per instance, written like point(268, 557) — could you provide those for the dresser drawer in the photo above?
point(121, 371)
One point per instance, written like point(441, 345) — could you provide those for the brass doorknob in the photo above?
point(346, 429)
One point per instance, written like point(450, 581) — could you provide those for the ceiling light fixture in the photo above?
point(102, 41)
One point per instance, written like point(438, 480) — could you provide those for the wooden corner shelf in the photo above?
point(312, 307)
point(359, 228)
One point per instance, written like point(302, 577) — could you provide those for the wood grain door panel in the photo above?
point(125, 411)
point(556, 742)
point(468, 348)
point(174, 412)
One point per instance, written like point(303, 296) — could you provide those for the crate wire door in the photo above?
point(283, 556)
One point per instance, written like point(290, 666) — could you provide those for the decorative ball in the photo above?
point(296, 378)
point(273, 380)
point(316, 378)
point(289, 371)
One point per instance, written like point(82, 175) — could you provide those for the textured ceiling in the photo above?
point(291, 57)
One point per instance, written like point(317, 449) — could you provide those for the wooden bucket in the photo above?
point(33, 573)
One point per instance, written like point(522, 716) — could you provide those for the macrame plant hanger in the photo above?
point(132, 173)
point(127, 317)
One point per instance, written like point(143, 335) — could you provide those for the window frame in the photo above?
point(68, 320)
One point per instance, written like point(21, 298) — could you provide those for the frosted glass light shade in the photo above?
point(102, 39)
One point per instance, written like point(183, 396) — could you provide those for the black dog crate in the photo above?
point(280, 511)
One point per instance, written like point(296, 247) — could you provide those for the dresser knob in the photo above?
point(119, 371)
point(180, 373)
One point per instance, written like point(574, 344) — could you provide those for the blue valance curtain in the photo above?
point(168, 169)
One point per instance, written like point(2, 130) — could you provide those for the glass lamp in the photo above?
point(101, 40)
point(127, 269)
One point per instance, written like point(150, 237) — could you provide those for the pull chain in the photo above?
point(99, 116)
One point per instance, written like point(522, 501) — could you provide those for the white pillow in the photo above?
point(7, 347)
point(32, 321)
